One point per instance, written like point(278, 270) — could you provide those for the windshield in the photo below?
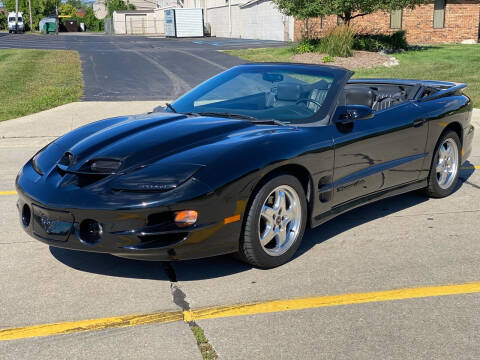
point(296, 94)
point(12, 19)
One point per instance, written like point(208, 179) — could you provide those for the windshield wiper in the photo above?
point(269, 122)
point(170, 107)
point(227, 115)
point(243, 117)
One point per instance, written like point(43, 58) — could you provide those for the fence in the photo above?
point(108, 25)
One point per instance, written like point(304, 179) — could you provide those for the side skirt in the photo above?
point(367, 199)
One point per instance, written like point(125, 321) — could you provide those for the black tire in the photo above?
point(433, 188)
point(250, 249)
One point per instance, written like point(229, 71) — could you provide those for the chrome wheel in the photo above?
point(447, 164)
point(280, 220)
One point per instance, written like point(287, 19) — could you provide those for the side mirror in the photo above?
point(350, 113)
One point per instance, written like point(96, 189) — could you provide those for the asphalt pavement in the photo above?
point(403, 243)
point(117, 68)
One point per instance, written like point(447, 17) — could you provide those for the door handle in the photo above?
point(419, 122)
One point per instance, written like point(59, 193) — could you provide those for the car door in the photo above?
point(378, 153)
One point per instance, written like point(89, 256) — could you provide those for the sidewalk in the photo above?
point(60, 120)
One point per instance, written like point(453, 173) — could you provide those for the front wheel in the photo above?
point(445, 167)
point(275, 223)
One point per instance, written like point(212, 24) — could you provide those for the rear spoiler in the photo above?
point(442, 92)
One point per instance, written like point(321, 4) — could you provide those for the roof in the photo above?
point(133, 11)
point(251, 2)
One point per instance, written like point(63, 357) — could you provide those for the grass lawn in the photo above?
point(458, 63)
point(36, 80)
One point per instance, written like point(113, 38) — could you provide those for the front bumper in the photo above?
point(143, 234)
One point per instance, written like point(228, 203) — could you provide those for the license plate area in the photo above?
point(51, 224)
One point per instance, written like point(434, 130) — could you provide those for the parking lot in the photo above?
point(119, 68)
point(397, 279)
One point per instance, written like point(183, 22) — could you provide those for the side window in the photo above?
point(396, 19)
point(439, 14)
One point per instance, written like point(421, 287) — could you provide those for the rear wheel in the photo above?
point(445, 167)
point(275, 223)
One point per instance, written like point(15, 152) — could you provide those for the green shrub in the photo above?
point(306, 46)
point(381, 42)
point(328, 59)
point(337, 42)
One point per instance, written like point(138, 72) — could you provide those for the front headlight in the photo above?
point(156, 177)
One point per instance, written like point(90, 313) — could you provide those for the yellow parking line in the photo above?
point(323, 301)
point(237, 310)
point(8, 192)
point(88, 325)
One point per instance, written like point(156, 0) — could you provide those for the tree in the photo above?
point(346, 10)
point(91, 22)
point(3, 21)
point(77, 4)
point(68, 10)
point(114, 5)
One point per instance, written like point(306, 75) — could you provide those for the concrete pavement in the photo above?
point(406, 241)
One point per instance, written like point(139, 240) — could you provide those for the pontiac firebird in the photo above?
point(244, 163)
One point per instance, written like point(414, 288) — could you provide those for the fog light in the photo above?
point(186, 218)
point(90, 231)
point(26, 215)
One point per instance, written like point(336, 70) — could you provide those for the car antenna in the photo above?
point(171, 107)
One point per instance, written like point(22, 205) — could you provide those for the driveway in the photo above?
point(140, 67)
point(397, 279)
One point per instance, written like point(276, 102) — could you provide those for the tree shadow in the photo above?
point(220, 266)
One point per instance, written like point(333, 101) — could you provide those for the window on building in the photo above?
point(439, 14)
point(396, 19)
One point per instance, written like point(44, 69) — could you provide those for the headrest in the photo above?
point(359, 96)
point(288, 92)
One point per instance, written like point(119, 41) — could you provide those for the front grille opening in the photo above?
point(159, 241)
point(160, 219)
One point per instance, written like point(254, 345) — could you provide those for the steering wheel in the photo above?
point(306, 100)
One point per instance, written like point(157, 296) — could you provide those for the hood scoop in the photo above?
point(89, 173)
point(100, 166)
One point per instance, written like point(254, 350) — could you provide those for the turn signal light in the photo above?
point(186, 218)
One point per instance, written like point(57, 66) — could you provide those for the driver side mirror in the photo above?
point(350, 113)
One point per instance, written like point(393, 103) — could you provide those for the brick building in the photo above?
point(442, 21)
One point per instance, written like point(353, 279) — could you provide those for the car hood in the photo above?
point(142, 140)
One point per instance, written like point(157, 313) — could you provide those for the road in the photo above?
point(119, 68)
point(426, 250)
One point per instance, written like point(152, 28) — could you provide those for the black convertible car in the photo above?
point(244, 162)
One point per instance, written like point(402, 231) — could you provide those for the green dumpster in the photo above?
point(50, 27)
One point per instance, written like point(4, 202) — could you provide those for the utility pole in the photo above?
point(57, 21)
point(16, 16)
point(30, 12)
point(230, 16)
